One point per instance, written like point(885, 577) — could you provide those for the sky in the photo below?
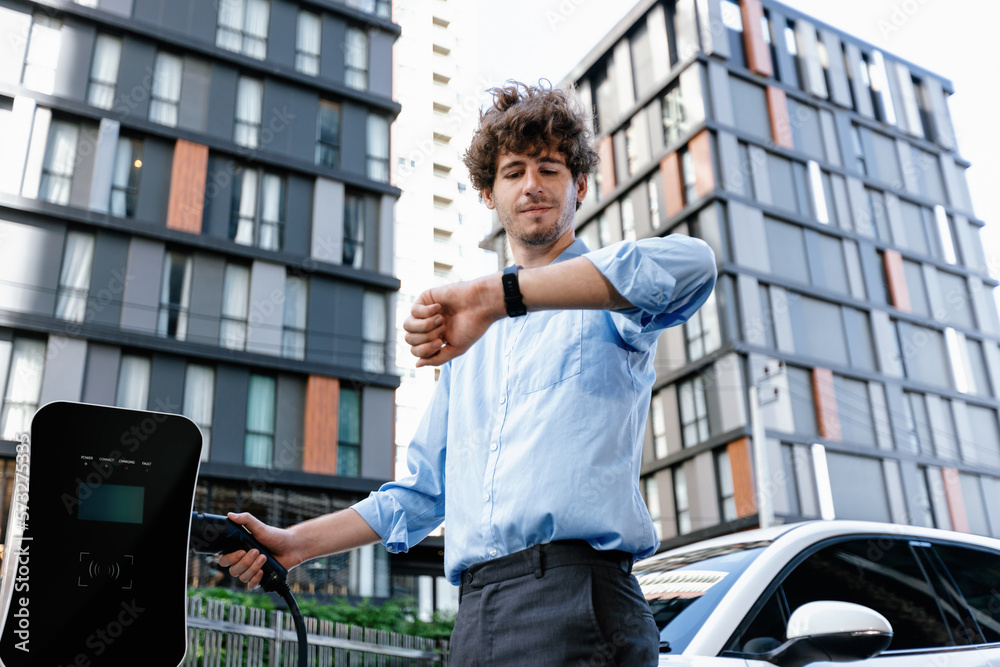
point(531, 39)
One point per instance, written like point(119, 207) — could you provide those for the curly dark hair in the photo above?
point(527, 120)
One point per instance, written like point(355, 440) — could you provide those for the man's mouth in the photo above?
point(537, 209)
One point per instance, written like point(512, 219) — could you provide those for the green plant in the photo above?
point(394, 615)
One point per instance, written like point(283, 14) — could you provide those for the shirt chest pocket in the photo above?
point(549, 349)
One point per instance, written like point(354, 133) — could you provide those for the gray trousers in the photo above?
point(558, 604)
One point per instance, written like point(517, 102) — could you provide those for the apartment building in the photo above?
point(196, 217)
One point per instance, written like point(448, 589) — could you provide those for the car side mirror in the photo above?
point(831, 632)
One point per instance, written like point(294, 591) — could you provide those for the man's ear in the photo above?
point(487, 194)
point(581, 187)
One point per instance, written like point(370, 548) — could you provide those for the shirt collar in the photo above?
point(575, 249)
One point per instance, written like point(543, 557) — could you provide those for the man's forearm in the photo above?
point(332, 533)
point(574, 284)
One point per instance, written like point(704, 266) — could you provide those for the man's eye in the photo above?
point(513, 174)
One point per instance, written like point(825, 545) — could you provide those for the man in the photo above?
point(531, 447)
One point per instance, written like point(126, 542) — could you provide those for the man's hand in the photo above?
point(246, 566)
point(445, 321)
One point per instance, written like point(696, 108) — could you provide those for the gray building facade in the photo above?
point(853, 288)
point(196, 217)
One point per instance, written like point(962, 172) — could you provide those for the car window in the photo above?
point(977, 574)
point(683, 591)
point(880, 573)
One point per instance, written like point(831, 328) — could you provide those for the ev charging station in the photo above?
point(95, 563)
point(101, 521)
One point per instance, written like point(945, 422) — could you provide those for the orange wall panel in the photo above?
point(187, 187)
point(758, 51)
point(319, 453)
point(673, 184)
point(743, 482)
point(700, 148)
point(956, 503)
point(606, 151)
point(896, 277)
point(825, 397)
point(781, 125)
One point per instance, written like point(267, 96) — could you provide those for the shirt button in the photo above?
point(486, 497)
point(493, 552)
point(493, 447)
point(503, 399)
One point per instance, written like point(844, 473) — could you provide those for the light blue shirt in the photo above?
point(535, 434)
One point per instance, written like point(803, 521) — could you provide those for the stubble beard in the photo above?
point(540, 236)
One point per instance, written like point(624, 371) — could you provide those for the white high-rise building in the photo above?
point(439, 218)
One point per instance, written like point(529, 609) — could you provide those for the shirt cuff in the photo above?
point(387, 518)
point(636, 277)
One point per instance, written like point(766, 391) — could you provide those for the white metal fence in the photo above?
point(224, 634)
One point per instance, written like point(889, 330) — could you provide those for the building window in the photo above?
point(249, 100)
point(293, 339)
point(74, 277)
point(258, 447)
point(694, 411)
point(60, 160)
point(356, 212)
point(258, 211)
point(328, 135)
point(349, 433)
point(42, 56)
point(235, 297)
point(859, 151)
point(380, 8)
point(307, 43)
point(682, 507)
point(727, 493)
point(133, 383)
point(356, 59)
point(689, 176)
point(373, 332)
point(654, 201)
point(165, 97)
point(378, 148)
point(24, 387)
point(652, 495)
point(918, 427)
point(104, 71)
point(175, 296)
point(125, 178)
point(701, 331)
point(659, 424)
point(243, 27)
point(199, 401)
point(674, 117)
point(628, 219)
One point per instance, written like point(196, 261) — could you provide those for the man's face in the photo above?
point(535, 197)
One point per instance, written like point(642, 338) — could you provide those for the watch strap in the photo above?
point(512, 299)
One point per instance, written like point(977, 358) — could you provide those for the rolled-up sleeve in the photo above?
point(405, 511)
point(667, 280)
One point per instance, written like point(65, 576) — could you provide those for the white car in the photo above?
point(828, 591)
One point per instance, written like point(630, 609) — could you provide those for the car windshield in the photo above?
point(683, 590)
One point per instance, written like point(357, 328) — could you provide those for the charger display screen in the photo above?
point(111, 502)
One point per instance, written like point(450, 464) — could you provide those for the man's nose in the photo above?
point(532, 182)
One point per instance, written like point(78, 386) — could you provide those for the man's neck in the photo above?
point(533, 256)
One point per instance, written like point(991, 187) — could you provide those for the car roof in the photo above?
point(822, 529)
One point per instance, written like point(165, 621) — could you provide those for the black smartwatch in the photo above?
point(512, 292)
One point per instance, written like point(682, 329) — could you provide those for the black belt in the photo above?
point(535, 560)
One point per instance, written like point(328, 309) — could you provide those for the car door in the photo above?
point(892, 575)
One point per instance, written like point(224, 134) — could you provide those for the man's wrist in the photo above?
point(512, 299)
